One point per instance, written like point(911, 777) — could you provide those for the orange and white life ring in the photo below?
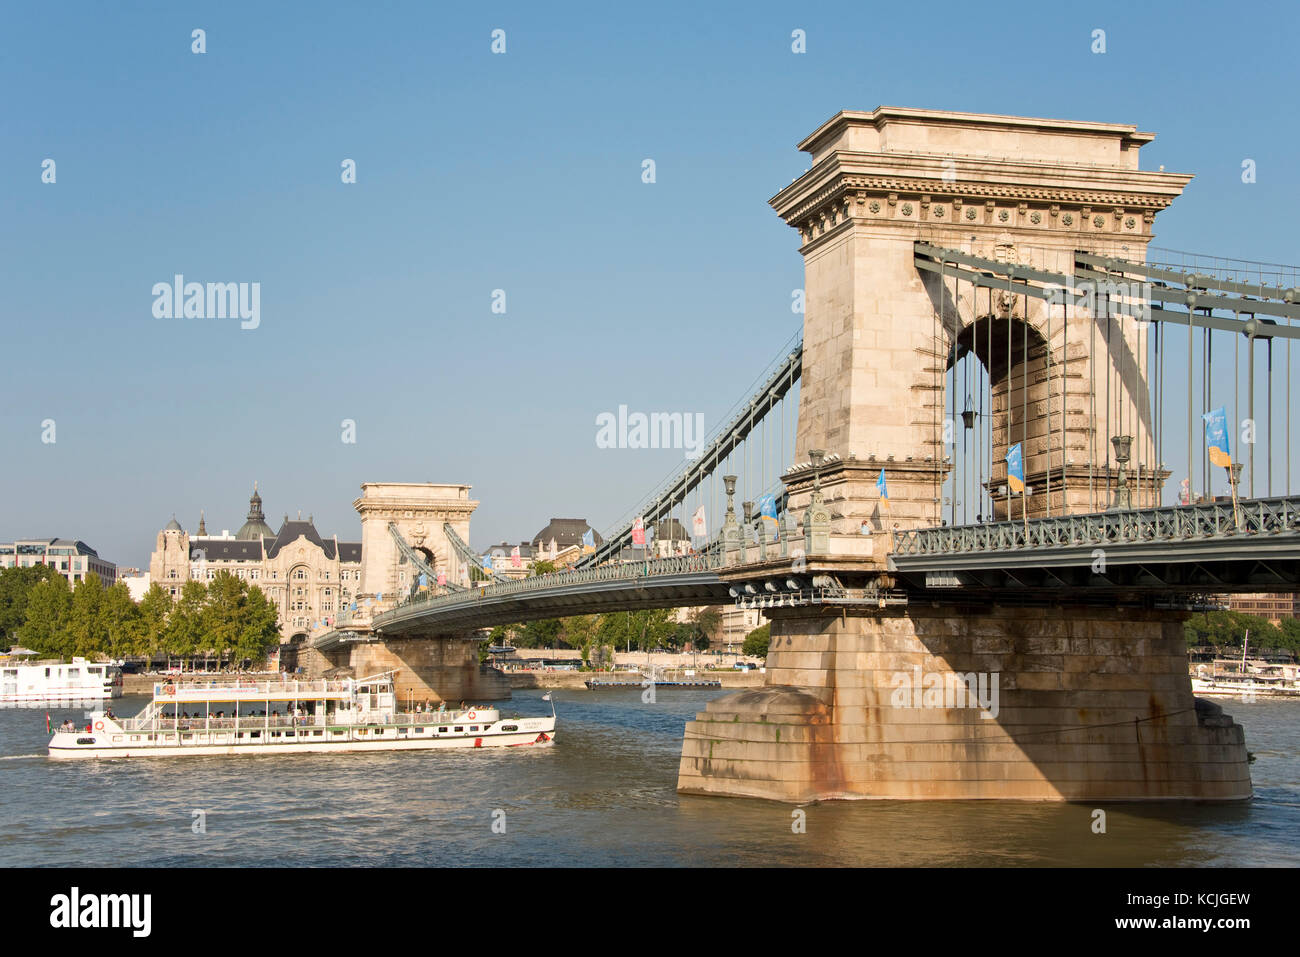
point(99, 726)
point(471, 715)
point(169, 689)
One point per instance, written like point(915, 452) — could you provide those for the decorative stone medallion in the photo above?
point(1068, 219)
point(970, 213)
point(907, 209)
point(874, 207)
point(1035, 217)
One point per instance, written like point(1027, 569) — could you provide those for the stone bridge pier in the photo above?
point(1068, 703)
point(434, 668)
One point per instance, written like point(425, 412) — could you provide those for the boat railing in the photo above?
point(165, 689)
point(253, 722)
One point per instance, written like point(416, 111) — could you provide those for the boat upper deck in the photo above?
point(282, 689)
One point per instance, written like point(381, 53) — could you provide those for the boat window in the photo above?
point(85, 741)
point(316, 734)
point(135, 737)
point(116, 738)
point(509, 727)
point(442, 730)
point(460, 728)
point(94, 671)
point(473, 727)
point(419, 731)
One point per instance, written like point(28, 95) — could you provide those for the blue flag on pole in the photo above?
point(1216, 437)
point(767, 511)
point(1015, 469)
point(883, 488)
point(487, 561)
point(589, 539)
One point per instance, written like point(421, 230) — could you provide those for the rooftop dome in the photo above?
point(173, 525)
point(255, 528)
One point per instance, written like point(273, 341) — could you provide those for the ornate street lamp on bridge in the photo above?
point(1123, 445)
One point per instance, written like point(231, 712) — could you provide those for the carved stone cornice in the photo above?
point(862, 189)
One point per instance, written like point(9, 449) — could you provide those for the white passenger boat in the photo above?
point(36, 683)
point(244, 716)
point(1246, 678)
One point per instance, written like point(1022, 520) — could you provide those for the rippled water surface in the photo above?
point(604, 794)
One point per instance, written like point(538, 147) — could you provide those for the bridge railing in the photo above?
point(621, 571)
point(1169, 524)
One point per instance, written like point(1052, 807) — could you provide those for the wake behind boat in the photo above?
point(243, 716)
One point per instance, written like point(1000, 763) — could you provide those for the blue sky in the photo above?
point(478, 172)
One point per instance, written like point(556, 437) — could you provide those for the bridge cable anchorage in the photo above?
point(467, 554)
point(418, 559)
point(728, 439)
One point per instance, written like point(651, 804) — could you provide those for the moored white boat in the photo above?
point(1246, 677)
point(242, 716)
point(36, 683)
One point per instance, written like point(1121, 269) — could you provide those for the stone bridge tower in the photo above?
point(879, 335)
point(1088, 699)
point(419, 510)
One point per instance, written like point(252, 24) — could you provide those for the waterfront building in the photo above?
point(71, 557)
point(308, 577)
point(136, 581)
point(1274, 607)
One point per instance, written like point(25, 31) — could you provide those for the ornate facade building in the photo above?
point(309, 578)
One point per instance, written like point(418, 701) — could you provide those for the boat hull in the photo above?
point(532, 732)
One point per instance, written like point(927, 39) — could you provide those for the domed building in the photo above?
point(255, 528)
point(309, 578)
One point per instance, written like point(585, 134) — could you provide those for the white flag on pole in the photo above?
point(699, 527)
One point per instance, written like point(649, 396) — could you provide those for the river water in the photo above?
point(604, 794)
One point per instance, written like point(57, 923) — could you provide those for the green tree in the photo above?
point(540, 633)
point(15, 587)
point(155, 606)
point(757, 641)
point(47, 611)
point(1290, 633)
point(183, 635)
point(259, 626)
point(542, 567)
point(85, 625)
point(642, 630)
point(580, 632)
point(121, 622)
point(1229, 629)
